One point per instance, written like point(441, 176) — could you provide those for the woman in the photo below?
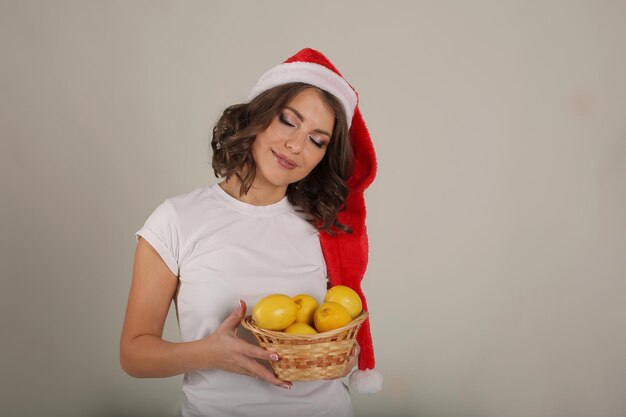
point(287, 161)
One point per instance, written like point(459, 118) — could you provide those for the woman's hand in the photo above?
point(145, 354)
point(230, 353)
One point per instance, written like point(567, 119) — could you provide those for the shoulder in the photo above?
point(200, 199)
point(199, 206)
point(182, 206)
point(197, 196)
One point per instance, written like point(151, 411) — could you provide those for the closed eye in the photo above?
point(283, 119)
point(317, 142)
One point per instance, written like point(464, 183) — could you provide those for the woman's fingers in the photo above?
point(240, 356)
point(261, 372)
point(354, 357)
point(256, 352)
point(251, 354)
point(356, 350)
point(231, 323)
point(354, 360)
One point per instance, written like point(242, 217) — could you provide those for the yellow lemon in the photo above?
point(347, 297)
point(329, 316)
point(300, 328)
point(275, 312)
point(306, 308)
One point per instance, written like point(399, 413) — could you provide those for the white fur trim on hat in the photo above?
point(310, 73)
point(369, 381)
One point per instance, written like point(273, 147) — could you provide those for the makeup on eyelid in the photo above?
point(286, 120)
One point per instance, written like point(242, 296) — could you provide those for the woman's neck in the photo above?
point(257, 195)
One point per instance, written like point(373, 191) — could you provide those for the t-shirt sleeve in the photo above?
point(161, 231)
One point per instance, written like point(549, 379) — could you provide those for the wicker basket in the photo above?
point(308, 357)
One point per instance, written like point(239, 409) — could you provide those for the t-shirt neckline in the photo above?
point(261, 211)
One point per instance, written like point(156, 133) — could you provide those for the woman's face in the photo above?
point(294, 142)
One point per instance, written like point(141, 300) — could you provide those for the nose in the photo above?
point(295, 143)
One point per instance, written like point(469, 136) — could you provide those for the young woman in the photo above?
point(289, 168)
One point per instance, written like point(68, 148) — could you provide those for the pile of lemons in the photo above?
point(303, 315)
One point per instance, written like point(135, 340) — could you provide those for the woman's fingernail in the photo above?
point(286, 386)
point(274, 357)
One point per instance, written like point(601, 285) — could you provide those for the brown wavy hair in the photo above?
point(321, 194)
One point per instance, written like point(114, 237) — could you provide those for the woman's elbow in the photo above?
point(127, 363)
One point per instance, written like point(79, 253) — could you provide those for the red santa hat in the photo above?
point(345, 254)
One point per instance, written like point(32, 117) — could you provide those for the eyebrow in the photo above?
point(301, 117)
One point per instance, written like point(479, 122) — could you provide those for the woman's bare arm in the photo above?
point(144, 353)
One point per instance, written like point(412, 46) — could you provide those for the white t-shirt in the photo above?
point(223, 250)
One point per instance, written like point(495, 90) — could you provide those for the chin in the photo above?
point(279, 179)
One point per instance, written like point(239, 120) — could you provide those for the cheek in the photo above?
point(274, 133)
point(266, 136)
point(255, 148)
point(261, 143)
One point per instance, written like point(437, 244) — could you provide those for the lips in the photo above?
point(283, 161)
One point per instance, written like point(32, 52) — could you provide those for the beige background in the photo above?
point(498, 235)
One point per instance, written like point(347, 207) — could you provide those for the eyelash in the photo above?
point(284, 121)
